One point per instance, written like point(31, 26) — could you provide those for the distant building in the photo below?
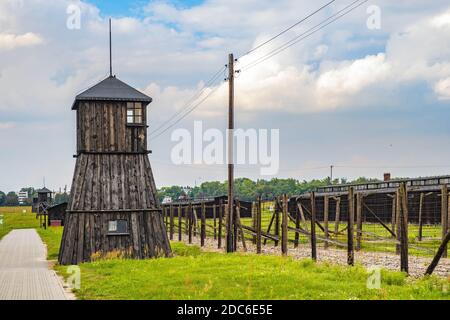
point(22, 197)
point(167, 200)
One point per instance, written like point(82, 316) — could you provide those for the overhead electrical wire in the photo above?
point(190, 105)
point(336, 16)
point(189, 102)
point(187, 113)
point(290, 28)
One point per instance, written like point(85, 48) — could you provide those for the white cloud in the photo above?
point(350, 78)
point(7, 125)
point(442, 89)
point(12, 41)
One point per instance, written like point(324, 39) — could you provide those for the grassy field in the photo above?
point(15, 218)
point(193, 274)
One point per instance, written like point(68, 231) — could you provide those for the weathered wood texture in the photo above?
point(102, 127)
point(113, 180)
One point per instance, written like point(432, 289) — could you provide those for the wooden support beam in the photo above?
point(397, 220)
point(422, 196)
point(239, 226)
point(258, 225)
point(297, 226)
point(221, 214)
point(284, 231)
point(350, 221)
point(379, 220)
point(338, 215)
point(325, 219)
point(270, 226)
point(277, 220)
point(359, 200)
point(171, 229)
point(180, 223)
point(190, 222)
point(438, 255)
point(444, 215)
point(394, 213)
point(203, 225)
point(302, 215)
point(215, 221)
point(313, 227)
point(404, 229)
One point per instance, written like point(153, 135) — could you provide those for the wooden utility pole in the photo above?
point(230, 224)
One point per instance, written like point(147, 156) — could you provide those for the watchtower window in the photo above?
point(134, 113)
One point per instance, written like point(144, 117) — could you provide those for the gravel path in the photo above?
point(417, 265)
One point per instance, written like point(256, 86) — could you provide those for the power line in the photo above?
point(290, 28)
point(189, 102)
point(305, 34)
point(393, 167)
point(187, 113)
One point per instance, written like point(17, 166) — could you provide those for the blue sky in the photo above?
point(132, 7)
point(385, 92)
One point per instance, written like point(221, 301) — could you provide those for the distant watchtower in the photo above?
point(44, 201)
point(113, 204)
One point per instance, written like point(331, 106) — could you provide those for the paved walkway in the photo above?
point(24, 273)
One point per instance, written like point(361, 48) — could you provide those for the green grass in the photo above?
point(14, 218)
point(193, 274)
point(52, 238)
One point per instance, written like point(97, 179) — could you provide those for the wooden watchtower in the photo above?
point(113, 204)
point(44, 201)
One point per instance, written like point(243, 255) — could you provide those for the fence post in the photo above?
point(394, 212)
point(203, 225)
point(258, 225)
point(444, 215)
point(194, 219)
point(219, 235)
point(313, 227)
point(190, 222)
point(404, 228)
point(171, 222)
point(420, 216)
point(215, 221)
point(297, 224)
point(277, 220)
point(398, 209)
point(254, 222)
point(350, 221)
point(180, 223)
point(284, 231)
point(338, 216)
point(186, 219)
point(325, 220)
point(359, 200)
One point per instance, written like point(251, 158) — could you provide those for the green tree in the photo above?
point(12, 199)
point(2, 198)
point(61, 198)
